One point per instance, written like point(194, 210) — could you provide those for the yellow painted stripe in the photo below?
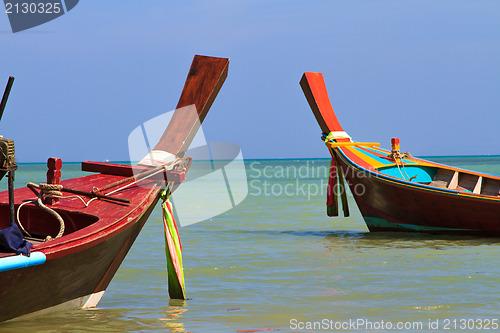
point(343, 144)
point(364, 157)
point(380, 150)
point(414, 161)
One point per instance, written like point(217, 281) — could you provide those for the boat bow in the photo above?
point(79, 262)
point(396, 191)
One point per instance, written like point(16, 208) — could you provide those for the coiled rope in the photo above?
point(49, 191)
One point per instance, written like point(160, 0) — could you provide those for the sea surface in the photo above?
point(276, 262)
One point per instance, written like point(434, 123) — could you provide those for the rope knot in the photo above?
point(51, 190)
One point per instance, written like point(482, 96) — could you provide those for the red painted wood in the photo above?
point(54, 166)
point(205, 78)
point(377, 153)
point(84, 260)
point(113, 169)
point(129, 171)
point(332, 202)
point(97, 237)
point(356, 159)
point(399, 203)
point(314, 88)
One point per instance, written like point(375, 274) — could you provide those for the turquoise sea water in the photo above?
point(276, 261)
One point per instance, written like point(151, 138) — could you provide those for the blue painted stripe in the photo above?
point(422, 174)
point(20, 261)
point(396, 180)
point(375, 157)
point(382, 160)
point(418, 186)
point(376, 222)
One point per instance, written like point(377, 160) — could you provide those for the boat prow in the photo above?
point(398, 192)
point(80, 234)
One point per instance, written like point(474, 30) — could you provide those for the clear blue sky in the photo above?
point(427, 72)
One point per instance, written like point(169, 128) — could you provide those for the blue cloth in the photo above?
point(12, 240)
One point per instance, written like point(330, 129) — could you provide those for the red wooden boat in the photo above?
point(397, 192)
point(71, 264)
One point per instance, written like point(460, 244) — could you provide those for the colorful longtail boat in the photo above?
point(397, 192)
point(76, 232)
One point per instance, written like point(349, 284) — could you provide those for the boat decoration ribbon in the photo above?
point(336, 188)
point(336, 184)
point(173, 250)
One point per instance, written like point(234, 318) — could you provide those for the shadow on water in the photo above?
point(166, 319)
point(92, 320)
point(385, 239)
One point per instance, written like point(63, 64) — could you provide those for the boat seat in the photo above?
point(443, 184)
point(462, 189)
point(439, 183)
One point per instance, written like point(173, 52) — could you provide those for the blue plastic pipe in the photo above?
point(20, 261)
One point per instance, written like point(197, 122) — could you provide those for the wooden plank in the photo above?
point(314, 88)
point(454, 181)
point(468, 181)
point(442, 177)
point(477, 188)
point(113, 169)
point(129, 171)
point(205, 78)
point(490, 187)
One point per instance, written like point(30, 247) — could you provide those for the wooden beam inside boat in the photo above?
point(454, 181)
point(113, 169)
point(477, 188)
point(129, 171)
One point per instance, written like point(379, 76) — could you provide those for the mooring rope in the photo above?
point(396, 160)
point(50, 191)
point(146, 174)
point(19, 220)
point(55, 191)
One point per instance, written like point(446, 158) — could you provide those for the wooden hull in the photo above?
point(397, 192)
point(77, 253)
point(82, 263)
point(390, 205)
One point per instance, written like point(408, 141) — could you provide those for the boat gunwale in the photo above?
point(100, 230)
point(419, 186)
point(428, 163)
